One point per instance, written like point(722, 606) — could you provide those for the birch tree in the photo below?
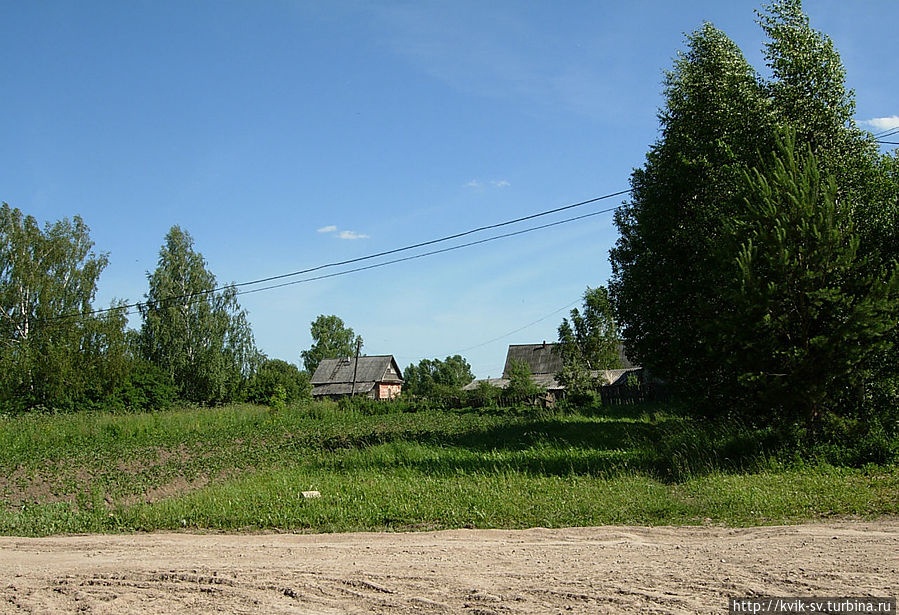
point(54, 349)
point(198, 334)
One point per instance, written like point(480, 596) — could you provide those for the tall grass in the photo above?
point(246, 467)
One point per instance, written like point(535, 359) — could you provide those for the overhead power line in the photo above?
point(432, 241)
point(431, 253)
point(522, 328)
point(198, 295)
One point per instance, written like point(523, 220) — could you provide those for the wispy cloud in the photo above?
point(882, 123)
point(332, 228)
point(352, 235)
point(497, 53)
point(477, 184)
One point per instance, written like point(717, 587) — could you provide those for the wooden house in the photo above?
point(545, 363)
point(375, 377)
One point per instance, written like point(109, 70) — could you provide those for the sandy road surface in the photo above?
point(577, 570)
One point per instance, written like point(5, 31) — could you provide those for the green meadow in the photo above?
point(245, 468)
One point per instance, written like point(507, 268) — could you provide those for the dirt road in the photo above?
point(577, 570)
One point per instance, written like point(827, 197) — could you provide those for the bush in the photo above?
point(366, 405)
point(146, 387)
point(586, 402)
point(485, 395)
point(520, 382)
point(278, 400)
point(277, 378)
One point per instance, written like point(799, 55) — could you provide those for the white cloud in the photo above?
point(496, 183)
point(332, 228)
point(352, 235)
point(882, 123)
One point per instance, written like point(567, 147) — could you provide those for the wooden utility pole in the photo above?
point(356, 365)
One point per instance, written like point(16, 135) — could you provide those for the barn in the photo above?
point(377, 377)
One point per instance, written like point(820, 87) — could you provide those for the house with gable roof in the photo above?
point(377, 377)
point(545, 363)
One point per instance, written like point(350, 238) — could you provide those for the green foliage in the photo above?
point(809, 314)
point(55, 353)
point(588, 342)
point(521, 383)
point(277, 378)
point(395, 466)
point(484, 395)
point(331, 339)
point(666, 259)
point(807, 88)
point(437, 380)
point(198, 335)
point(364, 405)
point(145, 388)
point(763, 296)
point(277, 401)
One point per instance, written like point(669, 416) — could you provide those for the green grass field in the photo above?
point(244, 468)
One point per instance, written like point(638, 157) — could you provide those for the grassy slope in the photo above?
point(241, 468)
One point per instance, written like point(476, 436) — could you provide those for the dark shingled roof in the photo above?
point(371, 369)
point(335, 376)
point(607, 377)
point(540, 358)
point(543, 359)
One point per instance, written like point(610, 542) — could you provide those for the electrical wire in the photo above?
point(886, 133)
point(199, 295)
point(431, 253)
point(530, 324)
point(496, 339)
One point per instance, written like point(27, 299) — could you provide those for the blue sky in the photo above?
point(285, 135)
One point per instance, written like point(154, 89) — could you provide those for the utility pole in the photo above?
point(356, 366)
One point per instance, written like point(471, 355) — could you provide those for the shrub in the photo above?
point(146, 387)
point(366, 405)
point(484, 395)
point(275, 377)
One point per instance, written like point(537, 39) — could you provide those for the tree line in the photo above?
point(194, 345)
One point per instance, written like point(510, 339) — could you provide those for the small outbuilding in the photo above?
point(376, 377)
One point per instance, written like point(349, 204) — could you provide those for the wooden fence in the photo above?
point(611, 396)
point(633, 394)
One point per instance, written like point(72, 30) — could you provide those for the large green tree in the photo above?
point(436, 378)
point(811, 311)
point(276, 377)
point(55, 351)
point(193, 331)
point(677, 288)
point(331, 339)
point(589, 341)
point(521, 382)
point(666, 259)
